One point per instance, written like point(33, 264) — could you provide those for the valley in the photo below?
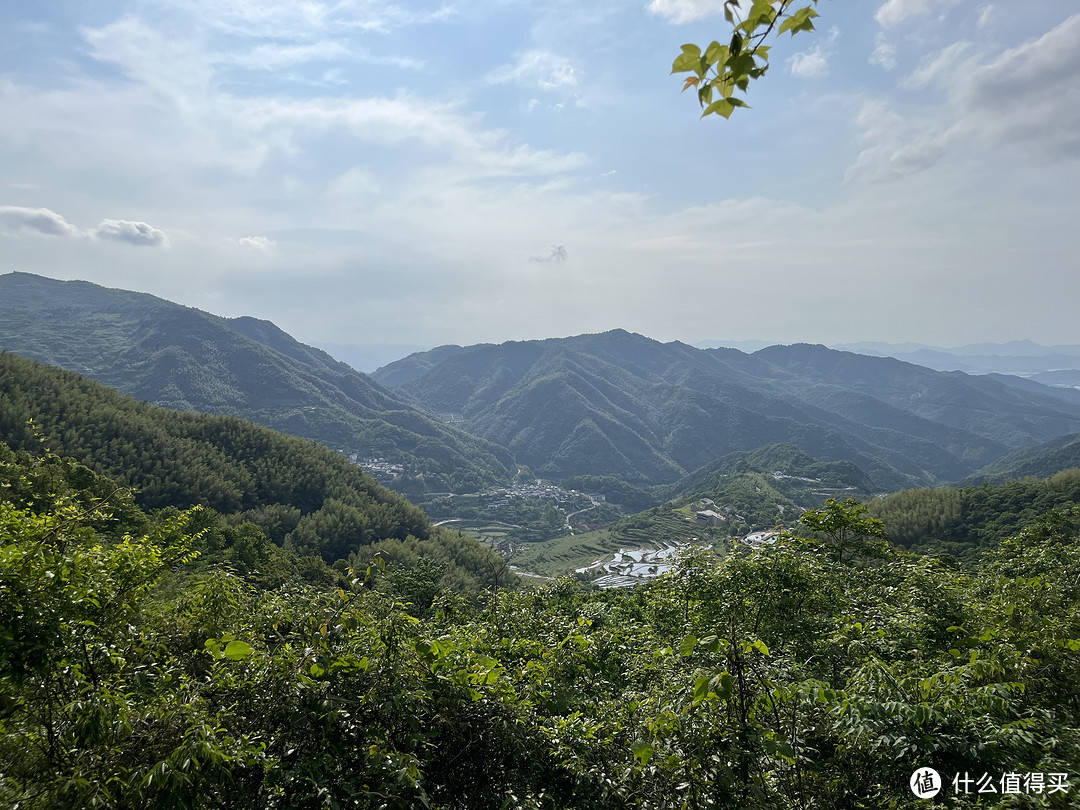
point(561, 454)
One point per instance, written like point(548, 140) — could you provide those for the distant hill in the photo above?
point(302, 494)
point(1043, 383)
point(1043, 461)
point(770, 486)
point(785, 463)
point(1053, 365)
point(184, 358)
point(622, 404)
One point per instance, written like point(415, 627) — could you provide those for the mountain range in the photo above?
point(615, 405)
point(187, 359)
point(1056, 366)
point(622, 404)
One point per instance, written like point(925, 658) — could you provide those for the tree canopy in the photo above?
point(784, 679)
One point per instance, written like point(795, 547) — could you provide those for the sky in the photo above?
point(422, 173)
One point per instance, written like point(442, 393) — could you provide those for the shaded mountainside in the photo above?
point(1056, 455)
point(302, 494)
point(183, 358)
point(622, 404)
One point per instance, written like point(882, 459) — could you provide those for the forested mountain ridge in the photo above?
point(298, 492)
point(966, 521)
point(622, 404)
point(1054, 456)
point(179, 357)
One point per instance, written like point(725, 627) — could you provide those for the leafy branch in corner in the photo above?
point(720, 70)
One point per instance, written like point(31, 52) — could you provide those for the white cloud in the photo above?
point(133, 233)
point(289, 19)
point(892, 12)
point(814, 63)
point(1026, 98)
point(898, 147)
point(440, 126)
point(17, 220)
point(536, 68)
point(174, 68)
point(176, 113)
point(555, 254)
point(810, 64)
point(884, 53)
point(943, 65)
point(275, 56)
point(357, 181)
point(257, 243)
point(684, 11)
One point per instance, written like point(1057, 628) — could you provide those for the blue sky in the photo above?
point(364, 172)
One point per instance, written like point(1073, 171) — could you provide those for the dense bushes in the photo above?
point(794, 678)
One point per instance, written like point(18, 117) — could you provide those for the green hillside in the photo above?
point(1062, 453)
point(791, 468)
point(620, 404)
point(183, 358)
point(300, 493)
point(965, 521)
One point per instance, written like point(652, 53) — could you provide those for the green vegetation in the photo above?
point(291, 492)
point(563, 555)
point(616, 490)
point(1062, 453)
point(719, 70)
point(197, 612)
point(791, 678)
point(183, 358)
point(661, 523)
point(965, 522)
point(593, 408)
point(801, 476)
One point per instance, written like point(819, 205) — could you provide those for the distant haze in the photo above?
point(369, 358)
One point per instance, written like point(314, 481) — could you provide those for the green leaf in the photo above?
point(687, 62)
point(800, 20)
point(727, 686)
point(642, 752)
point(701, 688)
point(238, 650)
point(716, 53)
point(722, 107)
point(687, 646)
